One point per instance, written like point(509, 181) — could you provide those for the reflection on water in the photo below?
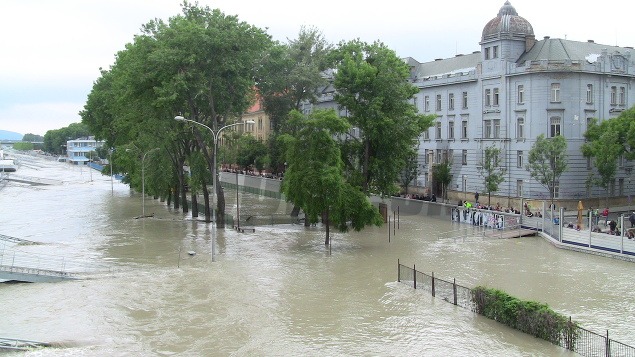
point(278, 292)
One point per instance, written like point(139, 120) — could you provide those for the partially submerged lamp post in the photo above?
point(215, 135)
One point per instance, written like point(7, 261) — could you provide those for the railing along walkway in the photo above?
point(15, 240)
point(22, 266)
point(20, 345)
point(587, 343)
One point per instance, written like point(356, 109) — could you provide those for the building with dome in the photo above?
point(507, 94)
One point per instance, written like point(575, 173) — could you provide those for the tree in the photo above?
point(32, 137)
point(314, 179)
point(492, 172)
point(606, 142)
point(251, 151)
point(410, 171)
point(605, 151)
point(548, 161)
point(441, 175)
point(23, 145)
point(200, 64)
point(291, 74)
point(55, 140)
point(371, 82)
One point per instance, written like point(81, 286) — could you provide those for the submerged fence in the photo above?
point(587, 343)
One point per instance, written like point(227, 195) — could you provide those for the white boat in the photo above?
point(6, 164)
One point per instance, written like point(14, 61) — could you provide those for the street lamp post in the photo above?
point(112, 189)
point(215, 137)
point(143, 180)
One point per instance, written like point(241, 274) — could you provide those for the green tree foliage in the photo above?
point(314, 178)
point(441, 174)
point(409, 172)
point(251, 151)
point(23, 146)
point(606, 142)
point(372, 84)
point(202, 64)
point(32, 138)
point(55, 140)
point(292, 73)
point(491, 170)
point(548, 161)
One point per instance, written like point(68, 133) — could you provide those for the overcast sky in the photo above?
point(51, 50)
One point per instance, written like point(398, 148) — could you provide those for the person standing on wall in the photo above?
point(605, 216)
point(476, 197)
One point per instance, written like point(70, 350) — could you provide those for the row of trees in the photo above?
point(210, 67)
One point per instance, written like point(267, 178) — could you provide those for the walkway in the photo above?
point(20, 345)
point(16, 265)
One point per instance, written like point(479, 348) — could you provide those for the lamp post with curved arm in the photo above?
point(215, 135)
point(143, 180)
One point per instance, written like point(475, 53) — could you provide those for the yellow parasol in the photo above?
point(580, 208)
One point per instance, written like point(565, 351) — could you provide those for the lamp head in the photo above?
point(250, 122)
point(179, 117)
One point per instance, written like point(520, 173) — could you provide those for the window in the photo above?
point(488, 97)
point(259, 123)
point(613, 95)
point(439, 156)
point(556, 189)
point(589, 93)
point(519, 159)
point(426, 159)
point(555, 92)
point(486, 53)
point(438, 102)
point(426, 134)
point(495, 52)
point(495, 96)
point(554, 123)
point(464, 129)
point(588, 163)
point(426, 103)
point(487, 129)
point(450, 156)
point(622, 95)
point(520, 128)
point(451, 101)
point(497, 128)
point(451, 130)
point(521, 94)
point(464, 100)
point(438, 137)
point(464, 157)
point(519, 188)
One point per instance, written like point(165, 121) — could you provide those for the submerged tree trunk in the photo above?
point(295, 211)
point(194, 204)
point(177, 197)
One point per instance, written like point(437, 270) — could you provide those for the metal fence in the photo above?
point(587, 343)
point(254, 190)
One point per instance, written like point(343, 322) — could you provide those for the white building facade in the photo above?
point(81, 151)
point(512, 91)
point(506, 95)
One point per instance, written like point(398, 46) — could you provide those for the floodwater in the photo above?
point(278, 291)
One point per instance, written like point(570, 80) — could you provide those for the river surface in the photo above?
point(278, 291)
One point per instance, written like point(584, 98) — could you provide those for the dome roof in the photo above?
point(507, 25)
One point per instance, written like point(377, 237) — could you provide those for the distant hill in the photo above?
point(10, 135)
